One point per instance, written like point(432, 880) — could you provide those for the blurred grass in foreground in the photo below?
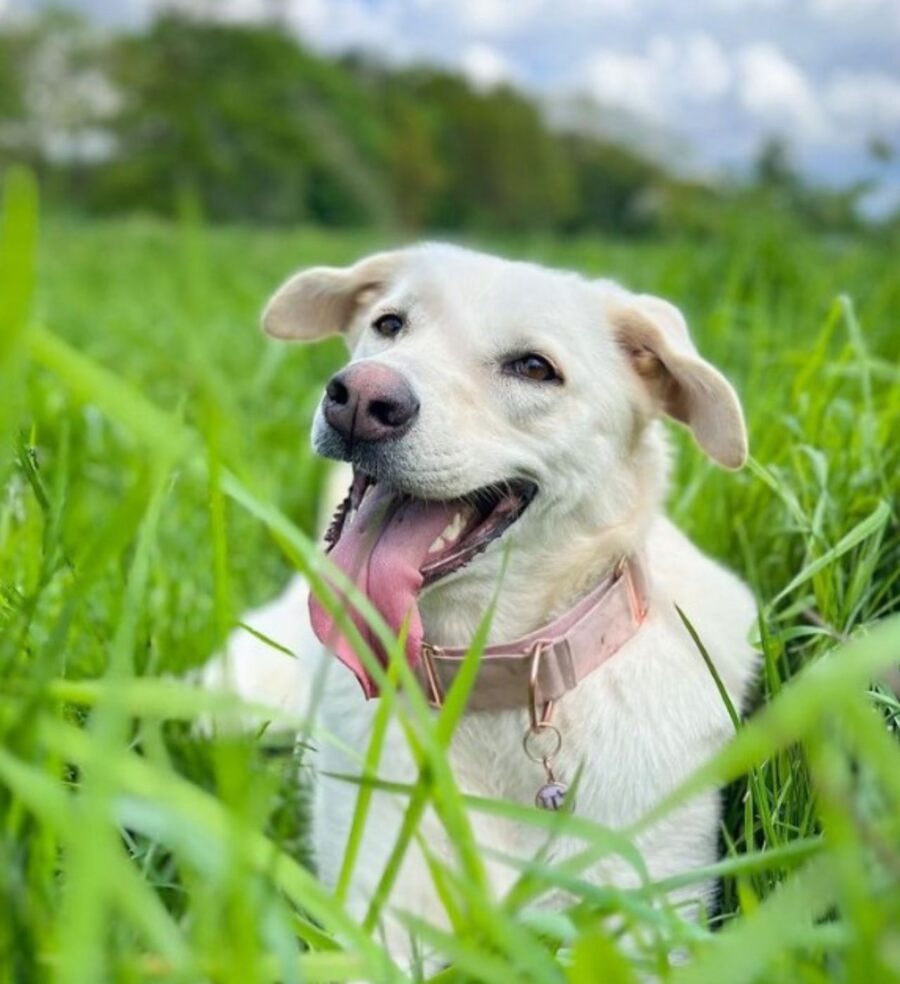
point(162, 481)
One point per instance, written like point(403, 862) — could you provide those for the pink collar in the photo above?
point(539, 668)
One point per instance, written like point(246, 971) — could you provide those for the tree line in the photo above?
point(256, 127)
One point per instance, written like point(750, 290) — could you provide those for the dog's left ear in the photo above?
point(321, 301)
point(655, 337)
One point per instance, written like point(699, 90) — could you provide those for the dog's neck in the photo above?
point(557, 567)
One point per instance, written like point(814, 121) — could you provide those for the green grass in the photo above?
point(157, 480)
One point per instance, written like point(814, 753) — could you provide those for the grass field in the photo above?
point(157, 480)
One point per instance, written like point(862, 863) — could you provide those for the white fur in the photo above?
point(647, 718)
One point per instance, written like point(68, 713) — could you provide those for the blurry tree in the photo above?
point(13, 114)
point(773, 167)
point(614, 187)
point(881, 150)
point(409, 155)
point(779, 184)
point(503, 167)
point(53, 99)
point(249, 122)
point(415, 170)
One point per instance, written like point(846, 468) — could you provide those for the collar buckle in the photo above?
point(435, 694)
point(541, 720)
point(637, 592)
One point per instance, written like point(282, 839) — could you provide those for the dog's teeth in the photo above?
point(453, 529)
point(450, 534)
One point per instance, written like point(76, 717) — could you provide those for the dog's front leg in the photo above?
point(410, 889)
point(371, 893)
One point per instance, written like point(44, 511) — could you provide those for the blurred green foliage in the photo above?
point(134, 849)
point(257, 128)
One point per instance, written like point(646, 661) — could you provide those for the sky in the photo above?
point(704, 81)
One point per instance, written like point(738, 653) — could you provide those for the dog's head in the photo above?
point(500, 399)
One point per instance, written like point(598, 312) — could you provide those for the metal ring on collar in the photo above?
point(533, 734)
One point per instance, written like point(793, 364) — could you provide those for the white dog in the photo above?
point(493, 412)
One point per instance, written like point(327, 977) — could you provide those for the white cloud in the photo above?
point(597, 9)
point(624, 80)
point(667, 75)
point(486, 67)
point(744, 6)
point(484, 19)
point(777, 93)
point(704, 70)
point(495, 17)
point(829, 8)
point(865, 101)
point(867, 13)
point(336, 25)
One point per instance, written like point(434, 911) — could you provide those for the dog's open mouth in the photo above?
point(391, 545)
point(468, 524)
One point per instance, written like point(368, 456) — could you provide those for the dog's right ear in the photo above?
point(679, 381)
point(322, 300)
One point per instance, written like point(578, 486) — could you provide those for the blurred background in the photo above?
point(738, 157)
point(631, 117)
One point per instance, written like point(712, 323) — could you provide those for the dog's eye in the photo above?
point(534, 367)
point(388, 325)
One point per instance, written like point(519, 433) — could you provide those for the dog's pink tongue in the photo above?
point(382, 550)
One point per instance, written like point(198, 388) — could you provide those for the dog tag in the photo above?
point(551, 795)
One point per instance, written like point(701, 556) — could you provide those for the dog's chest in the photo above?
point(628, 734)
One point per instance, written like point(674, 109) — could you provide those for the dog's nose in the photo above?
point(369, 402)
